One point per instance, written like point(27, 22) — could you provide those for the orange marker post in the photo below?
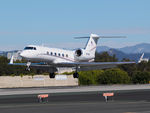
point(42, 97)
point(106, 95)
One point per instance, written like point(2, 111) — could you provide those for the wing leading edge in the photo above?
point(91, 64)
point(82, 66)
point(79, 65)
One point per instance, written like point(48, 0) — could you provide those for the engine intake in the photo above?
point(78, 52)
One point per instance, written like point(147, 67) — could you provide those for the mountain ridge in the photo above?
point(138, 48)
point(129, 52)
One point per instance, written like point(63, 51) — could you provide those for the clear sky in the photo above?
point(56, 22)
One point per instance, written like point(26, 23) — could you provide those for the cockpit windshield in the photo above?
point(30, 48)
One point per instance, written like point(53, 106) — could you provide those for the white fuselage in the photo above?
point(55, 55)
point(52, 55)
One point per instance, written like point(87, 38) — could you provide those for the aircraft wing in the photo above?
point(80, 66)
point(26, 64)
point(83, 66)
point(91, 64)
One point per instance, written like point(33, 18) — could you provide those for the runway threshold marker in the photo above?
point(43, 98)
point(106, 95)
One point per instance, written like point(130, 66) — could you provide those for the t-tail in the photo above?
point(89, 51)
point(92, 44)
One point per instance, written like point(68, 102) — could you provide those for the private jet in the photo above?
point(53, 59)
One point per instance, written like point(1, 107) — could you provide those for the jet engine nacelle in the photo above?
point(79, 52)
point(83, 55)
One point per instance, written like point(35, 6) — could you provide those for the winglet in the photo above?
point(142, 56)
point(11, 60)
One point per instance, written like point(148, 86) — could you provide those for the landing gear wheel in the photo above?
point(76, 75)
point(51, 75)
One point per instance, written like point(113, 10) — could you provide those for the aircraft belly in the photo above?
point(60, 60)
point(44, 58)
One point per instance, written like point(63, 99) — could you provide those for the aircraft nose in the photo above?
point(22, 54)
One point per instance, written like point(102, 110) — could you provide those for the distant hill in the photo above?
point(120, 55)
point(133, 56)
point(139, 48)
point(130, 52)
point(2, 53)
point(102, 48)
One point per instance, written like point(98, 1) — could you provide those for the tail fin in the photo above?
point(92, 43)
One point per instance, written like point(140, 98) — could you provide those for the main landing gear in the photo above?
point(51, 75)
point(76, 75)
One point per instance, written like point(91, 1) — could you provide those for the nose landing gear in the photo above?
point(51, 75)
point(28, 66)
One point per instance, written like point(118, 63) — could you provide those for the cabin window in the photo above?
point(47, 53)
point(51, 53)
point(30, 48)
point(55, 54)
point(66, 55)
point(63, 55)
point(58, 54)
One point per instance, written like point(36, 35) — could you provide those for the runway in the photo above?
point(73, 89)
point(124, 101)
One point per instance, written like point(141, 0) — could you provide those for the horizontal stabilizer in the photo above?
point(102, 37)
point(113, 37)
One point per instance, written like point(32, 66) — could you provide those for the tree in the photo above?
point(143, 66)
point(129, 68)
point(6, 69)
point(125, 60)
point(141, 77)
point(105, 57)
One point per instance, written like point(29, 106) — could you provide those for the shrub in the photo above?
point(114, 76)
point(68, 73)
point(141, 77)
point(89, 77)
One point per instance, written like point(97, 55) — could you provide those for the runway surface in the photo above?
point(124, 101)
point(19, 91)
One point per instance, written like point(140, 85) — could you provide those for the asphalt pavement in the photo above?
point(124, 101)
